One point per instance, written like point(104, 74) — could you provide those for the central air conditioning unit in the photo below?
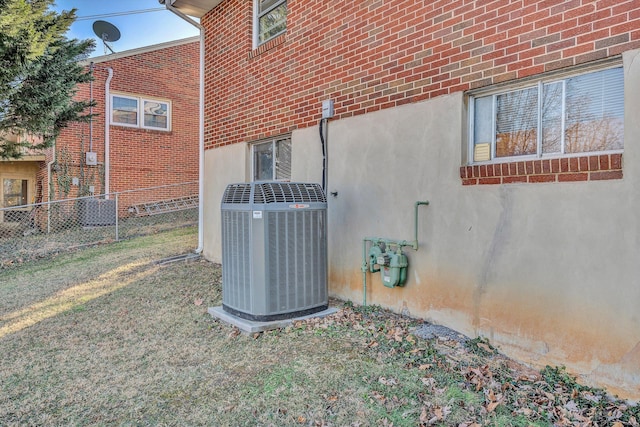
point(274, 250)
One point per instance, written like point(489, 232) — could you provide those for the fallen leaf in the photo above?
point(302, 419)
point(591, 397)
point(617, 424)
point(379, 397)
point(616, 414)
point(571, 406)
point(423, 415)
point(425, 366)
point(527, 378)
point(389, 381)
point(438, 413)
point(485, 347)
point(428, 381)
point(198, 301)
point(446, 410)
point(492, 406)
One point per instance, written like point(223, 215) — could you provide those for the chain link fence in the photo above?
point(43, 229)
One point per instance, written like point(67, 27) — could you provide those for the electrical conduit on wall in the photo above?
point(91, 68)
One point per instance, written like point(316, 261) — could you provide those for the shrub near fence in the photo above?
point(43, 229)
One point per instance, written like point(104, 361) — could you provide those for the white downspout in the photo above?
point(49, 184)
point(169, 5)
point(107, 126)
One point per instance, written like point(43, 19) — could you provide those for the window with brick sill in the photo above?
point(568, 129)
point(140, 112)
point(269, 20)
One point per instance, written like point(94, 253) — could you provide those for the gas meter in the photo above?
point(394, 272)
point(392, 265)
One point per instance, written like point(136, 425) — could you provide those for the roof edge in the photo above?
point(139, 50)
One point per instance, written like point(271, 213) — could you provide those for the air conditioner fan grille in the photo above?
point(237, 194)
point(286, 192)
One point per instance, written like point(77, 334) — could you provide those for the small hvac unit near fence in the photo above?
point(274, 250)
point(96, 212)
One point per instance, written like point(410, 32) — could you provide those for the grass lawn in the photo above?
point(106, 336)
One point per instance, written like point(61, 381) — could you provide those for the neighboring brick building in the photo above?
point(517, 120)
point(153, 125)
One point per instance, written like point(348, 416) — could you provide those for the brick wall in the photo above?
point(373, 54)
point(140, 158)
point(582, 168)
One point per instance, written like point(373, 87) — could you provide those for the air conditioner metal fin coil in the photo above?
point(274, 250)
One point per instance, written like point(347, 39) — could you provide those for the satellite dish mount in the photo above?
point(107, 32)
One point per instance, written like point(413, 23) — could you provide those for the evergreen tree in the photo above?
point(39, 74)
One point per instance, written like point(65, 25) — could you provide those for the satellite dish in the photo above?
point(107, 33)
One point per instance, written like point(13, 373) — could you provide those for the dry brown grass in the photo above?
point(105, 336)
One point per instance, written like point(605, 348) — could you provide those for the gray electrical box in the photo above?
point(91, 158)
point(274, 250)
point(327, 108)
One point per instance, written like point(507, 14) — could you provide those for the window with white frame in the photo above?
point(269, 20)
point(583, 113)
point(272, 159)
point(124, 110)
point(140, 112)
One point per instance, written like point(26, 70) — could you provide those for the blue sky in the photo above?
point(136, 29)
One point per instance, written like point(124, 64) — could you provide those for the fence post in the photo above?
point(117, 231)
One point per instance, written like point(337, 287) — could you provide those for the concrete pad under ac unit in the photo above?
point(252, 326)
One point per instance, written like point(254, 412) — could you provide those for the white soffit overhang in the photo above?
point(196, 8)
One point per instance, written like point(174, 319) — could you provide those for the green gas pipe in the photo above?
point(392, 242)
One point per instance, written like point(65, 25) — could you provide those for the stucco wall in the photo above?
point(548, 272)
point(223, 166)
